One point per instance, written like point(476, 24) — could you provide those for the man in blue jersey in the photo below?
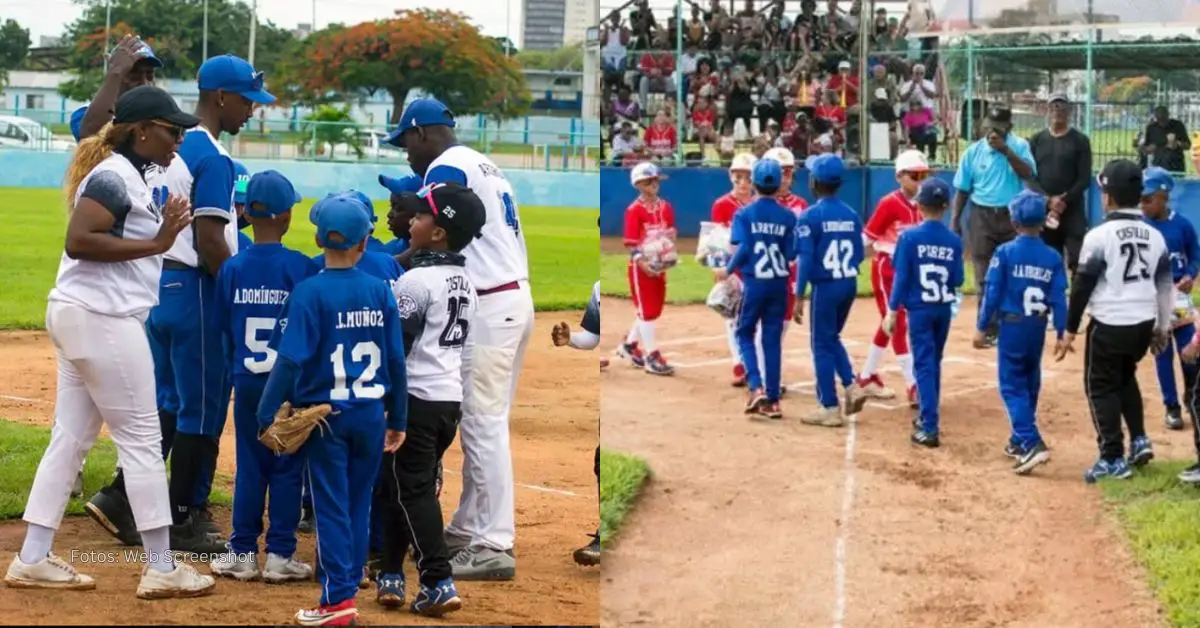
point(131, 64)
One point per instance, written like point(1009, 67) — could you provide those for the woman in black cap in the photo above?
point(118, 230)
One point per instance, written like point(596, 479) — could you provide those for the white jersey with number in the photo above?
point(1131, 260)
point(199, 147)
point(437, 306)
point(498, 256)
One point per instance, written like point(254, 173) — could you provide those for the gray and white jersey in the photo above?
point(1132, 268)
point(437, 305)
point(591, 316)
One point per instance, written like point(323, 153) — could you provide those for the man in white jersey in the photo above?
point(482, 532)
point(1124, 278)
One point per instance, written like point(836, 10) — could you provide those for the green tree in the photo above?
point(330, 126)
point(569, 58)
point(175, 29)
point(14, 46)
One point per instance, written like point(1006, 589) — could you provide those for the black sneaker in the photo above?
point(111, 510)
point(1174, 418)
point(925, 439)
point(306, 522)
point(1190, 475)
point(1039, 454)
point(188, 537)
point(1014, 451)
point(204, 520)
point(589, 555)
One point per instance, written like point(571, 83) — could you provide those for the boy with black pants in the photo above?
point(436, 303)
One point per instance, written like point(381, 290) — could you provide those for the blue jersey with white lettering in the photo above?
point(1182, 245)
point(244, 242)
point(1024, 279)
point(341, 328)
point(829, 244)
point(376, 264)
point(928, 267)
point(252, 287)
point(765, 234)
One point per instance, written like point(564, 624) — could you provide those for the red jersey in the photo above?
point(793, 202)
point(705, 116)
point(893, 214)
point(660, 140)
point(725, 207)
point(642, 215)
point(846, 88)
point(833, 113)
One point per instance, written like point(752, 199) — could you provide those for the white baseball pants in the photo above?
point(492, 361)
point(105, 376)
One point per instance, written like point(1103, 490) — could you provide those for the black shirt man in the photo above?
point(1164, 142)
point(1064, 172)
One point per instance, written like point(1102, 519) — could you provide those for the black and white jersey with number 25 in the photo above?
point(437, 304)
point(1131, 267)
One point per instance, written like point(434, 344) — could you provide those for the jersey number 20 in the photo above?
point(770, 264)
point(364, 386)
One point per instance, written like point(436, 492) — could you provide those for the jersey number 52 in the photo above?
point(364, 386)
point(935, 282)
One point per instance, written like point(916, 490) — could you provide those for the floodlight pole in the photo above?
point(107, 29)
point(204, 46)
point(253, 27)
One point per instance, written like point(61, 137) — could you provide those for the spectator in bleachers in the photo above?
point(694, 35)
point(881, 79)
point(768, 139)
point(704, 122)
point(689, 62)
point(920, 128)
point(626, 144)
point(770, 101)
point(881, 110)
point(704, 76)
point(661, 138)
point(796, 132)
point(832, 110)
point(844, 84)
point(624, 107)
point(641, 18)
point(716, 21)
point(1164, 141)
point(614, 54)
point(919, 88)
point(656, 72)
point(739, 103)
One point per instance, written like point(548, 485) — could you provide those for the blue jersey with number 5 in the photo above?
point(341, 328)
point(1025, 278)
point(929, 267)
point(252, 287)
point(829, 243)
point(765, 234)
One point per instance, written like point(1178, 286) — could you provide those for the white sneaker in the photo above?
point(243, 567)
point(824, 417)
point(280, 569)
point(184, 581)
point(51, 572)
point(856, 398)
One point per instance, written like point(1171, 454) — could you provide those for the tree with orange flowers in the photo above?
point(439, 52)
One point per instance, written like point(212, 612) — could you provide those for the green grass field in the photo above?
point(621, 480)
point(563, 244)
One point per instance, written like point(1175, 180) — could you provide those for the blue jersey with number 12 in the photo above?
point(829, 243)
point(341, 327)
point(929, 267)
point(765, 233)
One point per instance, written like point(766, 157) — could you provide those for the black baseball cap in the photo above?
point(455, 208)
point(1121, 178)
point(999, 116)
point(147, 102)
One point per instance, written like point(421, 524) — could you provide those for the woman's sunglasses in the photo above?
point(176, 131)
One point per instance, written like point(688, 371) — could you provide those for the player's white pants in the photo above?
point(105, 376)
point(492, 361)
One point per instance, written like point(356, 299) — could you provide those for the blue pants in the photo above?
point(831, 302)
point(764, 304)
point(1164, 363)
point(928, 329)
point(258, 470)
point(1019, 365)
point(341, 465)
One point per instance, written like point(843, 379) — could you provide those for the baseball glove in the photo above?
point(292, 427)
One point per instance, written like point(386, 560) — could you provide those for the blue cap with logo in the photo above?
point(143, 52)
point(767, 173)
point(400, 185)
point(364, 200)
point(343, 215)
point(934, 192)
point(421, 113)
point(827, 168)
point(241, 177)
point(1155, 179)
point(1028, 209)
point(233, 74)
point(269, 194)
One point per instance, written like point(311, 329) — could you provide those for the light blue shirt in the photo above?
point(986, 175)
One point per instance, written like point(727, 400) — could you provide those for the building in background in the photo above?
point(580, 14)
point(542, 24)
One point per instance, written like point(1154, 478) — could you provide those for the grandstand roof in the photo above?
point(1180, 55)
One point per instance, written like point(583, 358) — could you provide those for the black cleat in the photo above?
point(1014, 451)
point(188, 537)
point(1174, 418)
point(1037, 455)
point(589, 555)
point(110, 509)
point(925, 439)
point(204, 520)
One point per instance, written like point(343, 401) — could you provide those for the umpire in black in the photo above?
point(1124, 277)
point(1063, 155)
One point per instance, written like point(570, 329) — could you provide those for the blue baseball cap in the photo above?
point(1028, 209)
point(241, 177)
point(143, 52)
point(766, 173)
point(1156, 179)
point(365, 200)
point(233, 74)
point(934, 192)
point(400, 185)
point(343, 215)
point(421, 112)
point(269, 194)
point(827, 168)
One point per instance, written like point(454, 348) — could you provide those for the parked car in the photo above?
point(374, 148)
point(18, 132)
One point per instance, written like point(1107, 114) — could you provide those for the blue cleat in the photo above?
point(1140, 451)
point(389, 590)
point(437, 601)
point(1108, 469)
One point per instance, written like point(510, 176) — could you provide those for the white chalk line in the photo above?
point(25, 399)
point(841, 544)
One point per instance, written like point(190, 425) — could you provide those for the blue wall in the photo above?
point(32, 169)
point(692, 191)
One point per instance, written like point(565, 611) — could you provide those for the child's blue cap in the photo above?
point(827, 168)
point(1028, 209)
point(1155, 179)
point(934, 192)
point(366, 203)
point(767, 173)
point(342, 215)
point(241, 177)
point(269, 194)
point(400, 185)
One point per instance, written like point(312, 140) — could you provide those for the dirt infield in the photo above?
point(750, 522)
point(554, 431)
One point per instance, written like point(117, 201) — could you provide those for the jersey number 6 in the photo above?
point(364, 386)
point(770, 264)
point(1034, 301)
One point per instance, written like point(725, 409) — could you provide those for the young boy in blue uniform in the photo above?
point(374, 261)
point(929, 272)
point(240, 182)
point(1182, 244)
point(398, 218)
point(341, 344)
point(764, 233)
point(251, 290)
point(829, 252)
point(1025, 278)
